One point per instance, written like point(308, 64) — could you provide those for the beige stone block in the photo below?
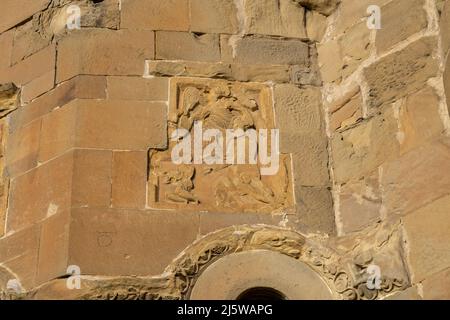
point(83, 87)
point(260, 73)
point(24, 266)
point(316, 25)
point(27, 41)
point(315, 212)
point(172, 15)
point(91, 185)
point(19, 10)
point(53, 247)
point(355, 47)
point(259, 50)
point(21, 243)
point(104, 52)
point(401, 73)
point(274, 17)
point(360, 203)
point(6, 43)
point(179, 68)
point(58, 132)
point(121, 125)
point(428, 239)
point(447, 82)
point(347, 114)
point(187, 46)
point(420, 119)
point(360, 150)
point(31, 68)
point(213, 16)
point(22, 149)
point(330, 60)
point(38, 86)
point(129, 179)
point(445, 27)
point(406, 17)
point(129, 242)
point(138, 88)
point(437, 286)
point(417, 178)
point(409, 294)
point(39, 193)
point(210, 222)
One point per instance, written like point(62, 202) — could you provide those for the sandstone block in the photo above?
point(420, 120)
point(445, 28)
point(6, 43)
point(53, 247)
point(274, 17)
point(428, 239)
point(447, 82)
point(355, 47)
point(316, 25)
point(360, 203)
point(314, 211)
point(138, 88)
point(91, 185)
point(214, 16)
point(171, 15)
point(104, 52)
point(121, 242)
point(325, 7)
point(22, 149)
point(401, 73)
point(360, 150)
point(27, 41)
point(129, 179)
point(437, 286)
point(187, 46)
point(330, 60)
point(406, 17)
point(258, 50)
point(346, 112)
point(417, 178)
point(47, 189)
point(19, 10)
point(38, 86)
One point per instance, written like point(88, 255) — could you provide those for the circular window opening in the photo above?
point(261, 294)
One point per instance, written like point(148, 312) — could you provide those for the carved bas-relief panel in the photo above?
point(222, 153)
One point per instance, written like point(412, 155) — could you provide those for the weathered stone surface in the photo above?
point(409, 294)
point(138, 88)
point(187, 46)
point(325, 7)
point(355, 47)
point(103, 51)
point(360, 150)
point(53, 247)
point(213, 16)
point(330, 60)
point(18, 11)
point(420, 119)
point(406, 17)
point(38, 86)
point(428, 239)
point(417, 178)
point(437, 286)
point(314, 211)
point(316, 25)
point(274, 17)
point(400, 73)
point(445, 27)
point(129, 178)
point(116, 242)
point(360, 203)
point(347, 111)
point(91, 184)
point(258, 50)
point(170, 15)
point(6, 43)
point(48, 189)
point(447, 82)
point(27, 41)
point(82, 87)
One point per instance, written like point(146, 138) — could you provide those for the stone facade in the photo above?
point(87, 118)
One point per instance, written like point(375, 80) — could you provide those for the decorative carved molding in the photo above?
point(346, 278)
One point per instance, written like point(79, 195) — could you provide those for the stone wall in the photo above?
point(86, 117)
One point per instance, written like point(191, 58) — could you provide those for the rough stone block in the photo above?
point(171, 15)
point(104, 52)
point(6, 43)
point(18, 11)
point(406, 17)
point(214, 16)
point(38, 86)
point(428, 239)
point(437, 286)
point(417, 178)
point(129, 179)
